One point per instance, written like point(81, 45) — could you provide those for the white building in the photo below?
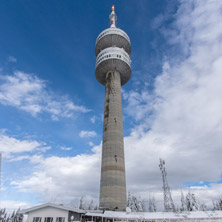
point(58, 213)
point(52, 213)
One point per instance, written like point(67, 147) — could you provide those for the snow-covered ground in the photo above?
point(207, 216)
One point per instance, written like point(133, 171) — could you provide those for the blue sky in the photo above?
point(51, 105)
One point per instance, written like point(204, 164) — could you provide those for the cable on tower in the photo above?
point(168, 201)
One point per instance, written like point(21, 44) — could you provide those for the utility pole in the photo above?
point(168, 201)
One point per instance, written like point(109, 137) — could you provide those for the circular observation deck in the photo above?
point(112, 37)
point(113, 59)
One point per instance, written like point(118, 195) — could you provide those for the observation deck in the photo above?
point(112, 37)
point(113, 50)
point(113, 59)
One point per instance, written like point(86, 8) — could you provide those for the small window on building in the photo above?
point(48, 219)
point(60, 219)
point(37, 219)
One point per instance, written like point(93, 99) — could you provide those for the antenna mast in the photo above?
point(168, 201)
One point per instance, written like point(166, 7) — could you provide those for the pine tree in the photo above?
point(129, 200)
point(91, 205)
point(135, 204)
point(217, 205)
point(202, 206)
point(183, 203)
point(191, 202)
point(152, 205)
point(81, 203)
point(143, 206)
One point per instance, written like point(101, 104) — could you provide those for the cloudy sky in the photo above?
point(51, 106)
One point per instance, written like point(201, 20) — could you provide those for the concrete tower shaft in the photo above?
point(113, 69)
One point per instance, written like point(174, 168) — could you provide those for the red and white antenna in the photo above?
point(113, 18)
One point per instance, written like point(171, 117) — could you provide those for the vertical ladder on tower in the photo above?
point(168, 201)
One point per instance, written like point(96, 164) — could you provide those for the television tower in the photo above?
point(113, 69)
point(168, 201)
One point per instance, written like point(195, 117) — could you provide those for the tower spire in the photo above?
point(113, 18)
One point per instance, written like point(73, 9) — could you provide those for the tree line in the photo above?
point(16, 216)
point(188, 202)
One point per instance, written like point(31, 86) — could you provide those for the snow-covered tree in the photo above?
point(183, 203)
point(202, 206)
point(3, 214)
point(143, 206)
point(152, 204)
point(130, 202)
point(91, 205)
point(191, 202)
point(16, 216)
point(135, 203)
point(217, 205)
point(81, 203)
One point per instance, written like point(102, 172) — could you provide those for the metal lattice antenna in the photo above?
point(168, 201)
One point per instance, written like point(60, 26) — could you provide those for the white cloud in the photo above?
point(12, 59)
point(91, 143)
point(87, 134)
point(31, 94)
point(65, 148)
point(43, 148)
point(69, 178)
point(184, 121)
point(19, 158)
point(93, 119)
point(13, 145)
point(14, 205)
point(139, 105)
point(36, 159)
point(12, 148)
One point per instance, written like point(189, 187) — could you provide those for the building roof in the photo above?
point(159, 215)
point(26, 211)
